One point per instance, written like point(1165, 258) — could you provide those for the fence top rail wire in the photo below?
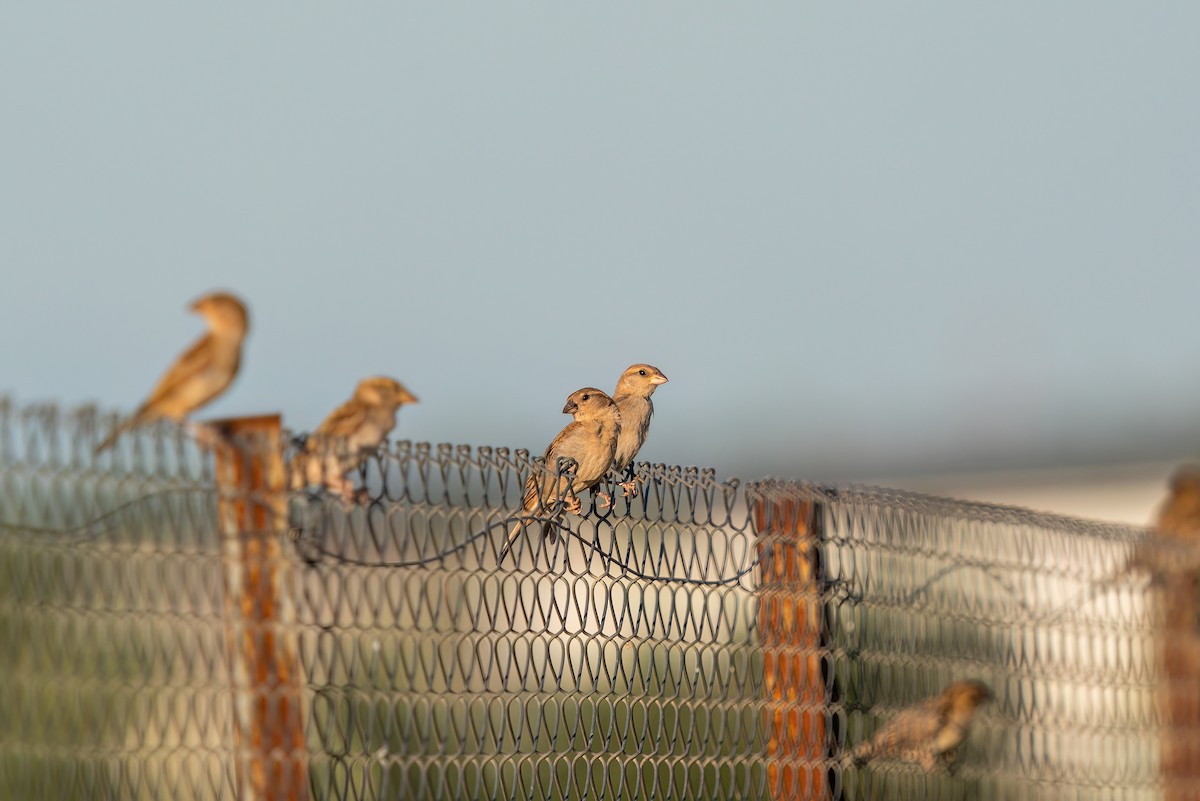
point(42, 435)
point(162, 462)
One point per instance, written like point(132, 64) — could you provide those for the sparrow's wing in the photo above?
point(530, 504)
point(919, 724)
point(333, 441)
point(164, 400)
point(195, 360)
point(540, 492)
point(910, 727)
point(635, 424)
point(576, 441)
point(344, 420)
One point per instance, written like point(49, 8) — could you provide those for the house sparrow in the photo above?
point(359, 424)
point(632, 397)
point(591, 441)
point(1172, 549)
point(200, 374)
point(927, 732)
point(1174, 545)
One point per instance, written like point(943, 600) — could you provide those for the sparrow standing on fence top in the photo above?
point(591, 441)
point(632, 397)
point(200, 374)
point(928, 732)
point(1173, 547)
point(360, 424)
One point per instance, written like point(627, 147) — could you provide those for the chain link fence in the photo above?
point(179, 626)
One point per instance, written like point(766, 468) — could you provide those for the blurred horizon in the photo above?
point(861, 241)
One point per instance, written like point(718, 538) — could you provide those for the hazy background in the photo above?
point(861, 239)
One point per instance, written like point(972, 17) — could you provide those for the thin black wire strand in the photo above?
point(93, 529)
point(530, 520)
point(911, 600)
point(83, 533)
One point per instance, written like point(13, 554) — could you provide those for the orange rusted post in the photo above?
point(1180, 654)
point(789, 620)
point(271, 758)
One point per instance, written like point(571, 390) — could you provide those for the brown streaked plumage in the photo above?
point(591, 441)
point(360, 424)
point(632, 397)
point(202, 373)
point(1172, 548)
point(1174, 544)
point(928, 732)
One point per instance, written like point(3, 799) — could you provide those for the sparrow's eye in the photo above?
point(641, 372)
point(585, 397)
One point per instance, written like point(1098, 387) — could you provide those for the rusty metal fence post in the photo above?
point(270, 757)
point(789, 620)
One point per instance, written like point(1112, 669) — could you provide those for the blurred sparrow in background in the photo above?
point(360, 424)
point(928, 732)
point(1173, 547)
point(200, 374)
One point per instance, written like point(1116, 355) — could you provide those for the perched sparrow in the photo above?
point(359, 424)
point(200, 374)
point(591, 441)
point(1171, 550)
point(632, 397)
point(1174, 546)
point(929, 731)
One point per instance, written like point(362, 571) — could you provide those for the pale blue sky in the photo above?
point(859, 238)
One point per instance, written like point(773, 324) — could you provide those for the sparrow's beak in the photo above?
point(658, 379)
point(196, 304)
point(404, 396)
point(571, 407)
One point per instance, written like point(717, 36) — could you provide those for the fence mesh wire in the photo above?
point(699, 640)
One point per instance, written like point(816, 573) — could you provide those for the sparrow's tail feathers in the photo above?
point(512, 538)
point(127, 424)
point(549, 530)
